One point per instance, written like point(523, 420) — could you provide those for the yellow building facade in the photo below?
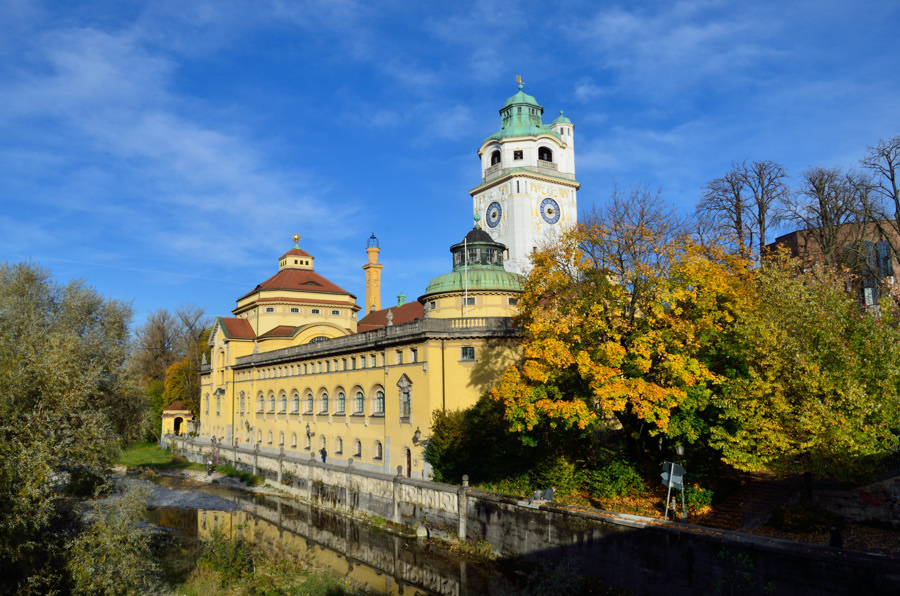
point(293, 372)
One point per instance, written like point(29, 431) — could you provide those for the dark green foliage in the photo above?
point(697, 498)
point(245, 477)
point(234, 559)
point(617, 478)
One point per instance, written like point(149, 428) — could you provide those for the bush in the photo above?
point(233, 559)
point(558, 472)
point(697, 498)
point(245, 477)
point(615, 479)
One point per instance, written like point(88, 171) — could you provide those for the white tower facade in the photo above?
point(527, 195)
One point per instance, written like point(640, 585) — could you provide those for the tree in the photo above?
point(65, 402)
point(821, 387)
point(744, 202)
point(830, 206)
point(613, 318)
point(883, 163)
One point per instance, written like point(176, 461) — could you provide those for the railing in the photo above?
point(489, 326)
point(547, 165)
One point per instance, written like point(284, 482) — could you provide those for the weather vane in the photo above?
point(296, 239)
point(519, 79)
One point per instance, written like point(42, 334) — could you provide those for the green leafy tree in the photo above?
point(821, 387)
point(65, 403)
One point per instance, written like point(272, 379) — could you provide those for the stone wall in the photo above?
point(876, 503)
point(644, 555)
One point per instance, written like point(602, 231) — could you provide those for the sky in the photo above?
point(165, 152)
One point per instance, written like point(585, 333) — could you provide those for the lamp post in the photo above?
point(679, 449)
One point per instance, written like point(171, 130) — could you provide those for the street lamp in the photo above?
point(309, 433)
point(416, 436)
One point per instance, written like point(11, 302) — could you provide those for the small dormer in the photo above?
point(296, 258)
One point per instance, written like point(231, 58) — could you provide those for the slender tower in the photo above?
point(373, 276)
point(527, 191)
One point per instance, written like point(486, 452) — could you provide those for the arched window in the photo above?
point(324, 402)
point(293, 439)
point(358, 448)
point(259, 436)
point(295, 408)
point(339, 445)
point(379, 402)
point(544, 154)
point(342, 403)
point(379, 450)
point(271, 403)
point(309, 403)
point(270, 437)
point(495, 158)
point(283, 403)
point(281, 438)
point(360, 402)
point(322, 443)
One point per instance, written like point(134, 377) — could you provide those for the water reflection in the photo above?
point(381, 561)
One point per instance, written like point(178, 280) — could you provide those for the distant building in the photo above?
point(292, 371)
point(859, 247)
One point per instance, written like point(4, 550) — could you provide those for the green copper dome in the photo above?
point(477, 266)
point(562, 119)
point(520, 116)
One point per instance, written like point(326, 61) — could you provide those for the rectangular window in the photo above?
point(413, 355)
point(469, 301)
point(294, 309)
point(315, 311)
point(305, 370)
point(336, 312)
point(270, 309)
point(513, 301)
point(517, 154)
point(343, 364)
point(405, 405)
point(353, 363)
point(362, 361)
point(374, 361)
point(399, 357)
point(327, 366)
point(467, 353)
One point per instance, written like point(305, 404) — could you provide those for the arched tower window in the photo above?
point(495, 158)
point(544, 154)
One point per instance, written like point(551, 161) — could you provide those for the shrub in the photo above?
point(233, 559)
point(558, 472)
point(615, 479)
point(697, 498)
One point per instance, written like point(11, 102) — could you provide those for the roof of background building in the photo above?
point(176, 405)
point(401, 314)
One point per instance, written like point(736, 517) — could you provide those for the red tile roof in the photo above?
point(176, 405)
point(298, 280)
point(237, 328)
point(280, 331)
point(402, 314)
point(296, 252)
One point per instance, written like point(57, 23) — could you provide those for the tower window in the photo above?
point(517, 154)
point(495, 158)
point(544, 154)
point(294, 309)
point(315, 311)
point(270, 309)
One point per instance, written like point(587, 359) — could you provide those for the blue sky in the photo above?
point(166, 151)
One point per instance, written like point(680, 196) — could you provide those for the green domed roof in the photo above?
point(477, 266)
point(520, 116)
point(562, 119)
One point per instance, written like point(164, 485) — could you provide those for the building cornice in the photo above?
point(521, 173)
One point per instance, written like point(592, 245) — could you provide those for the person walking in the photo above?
point(323, 453)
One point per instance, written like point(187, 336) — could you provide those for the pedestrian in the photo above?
point(836, 540)
point(323, 453)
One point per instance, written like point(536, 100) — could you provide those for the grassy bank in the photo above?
point(150, 455)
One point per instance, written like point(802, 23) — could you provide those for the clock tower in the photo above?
point(527, 193)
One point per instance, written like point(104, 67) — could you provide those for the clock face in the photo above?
point(493, 214)
point(550, 211)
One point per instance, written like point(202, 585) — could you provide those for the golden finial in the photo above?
point(296, 239)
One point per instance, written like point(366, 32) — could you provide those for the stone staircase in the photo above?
point(751, 505)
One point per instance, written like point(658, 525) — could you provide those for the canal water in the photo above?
point(368, 555)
